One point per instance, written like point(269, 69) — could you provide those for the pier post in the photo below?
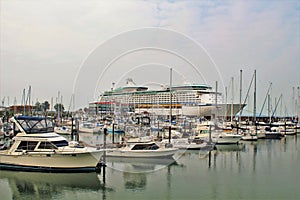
point(209, 159)
point(113, 133)
point(170, 134)
point(103, 162)
point(209, 132)
point(72, 129)
point(158, 130)
point(104, 145)
point(284, 127)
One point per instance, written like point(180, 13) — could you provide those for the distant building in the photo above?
point(21, 108)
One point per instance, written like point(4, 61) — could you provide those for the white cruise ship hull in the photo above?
point(202, 110)
point(208, 110)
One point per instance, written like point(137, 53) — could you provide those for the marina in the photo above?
point(149, 100)
point(121, 148)
point(265, 169)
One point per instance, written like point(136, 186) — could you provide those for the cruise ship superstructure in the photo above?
point(185, 99)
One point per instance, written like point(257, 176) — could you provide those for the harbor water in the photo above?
point(265, 169)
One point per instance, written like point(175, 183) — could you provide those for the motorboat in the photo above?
point(274, 133)
point(250, 133)
point(249, 137)
point(36, 147)
point(228, 138)
point(142, 150)
point(63, 130)
point(188, 144)
point(89, 127)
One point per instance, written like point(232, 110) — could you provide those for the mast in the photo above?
point(58, 107)
point(226, 103)
point(240, 112)
point(254, 102)
point(170, 89)
point(23, 101)
point(293, 107)
point(28, 99)
point(269, 108)
point(216, 99)
point(298, 106)
point(232, 93)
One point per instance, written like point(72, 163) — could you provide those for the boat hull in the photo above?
point(166, 153)
point(228, 139)
point(184, 143)
point(208, 110)
point(201, 110)
point(250, 138)
point(273, 135)
point(51, 162)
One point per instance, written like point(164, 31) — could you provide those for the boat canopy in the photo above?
point(35, 124)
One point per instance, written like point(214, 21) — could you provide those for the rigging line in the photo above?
point(248, 92)
point(265, 101)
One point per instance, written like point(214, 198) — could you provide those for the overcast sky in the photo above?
point(82, 47)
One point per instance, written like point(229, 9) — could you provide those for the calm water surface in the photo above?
point(267, 169)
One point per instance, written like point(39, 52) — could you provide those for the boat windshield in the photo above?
point(149, 146)
point(35, 124)
point(61, 143)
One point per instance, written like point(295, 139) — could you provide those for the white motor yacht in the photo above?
point(188, 144)
point(228, 138)
point(142, 150)
point(35, 147)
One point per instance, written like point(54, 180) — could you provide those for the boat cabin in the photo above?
point(145, 146)
point(30, 144)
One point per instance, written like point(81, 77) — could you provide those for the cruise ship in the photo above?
point(186, 99)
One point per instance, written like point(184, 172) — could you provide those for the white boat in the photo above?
point(186, 143)
point(249, 137)
point(89, 127)
point(250, 133)
point(63, 130)
point(142, 150)
point(228, 138)
point(37, 148)
point(274, 133)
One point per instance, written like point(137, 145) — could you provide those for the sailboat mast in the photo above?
point(170, 96)
point(216, 99)
point(226, 113)
point(240, 112)
point(269, 105)
point(254, 102)
point(170, 89)
point(232, 93)
point(293, 103)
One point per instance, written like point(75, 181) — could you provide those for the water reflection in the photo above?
point(135, 171)
point(135, 181)
point(231, 147)
point(252, 170)
point(138, 165)
point(33, 185)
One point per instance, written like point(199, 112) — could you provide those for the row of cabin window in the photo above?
point(31, 145)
